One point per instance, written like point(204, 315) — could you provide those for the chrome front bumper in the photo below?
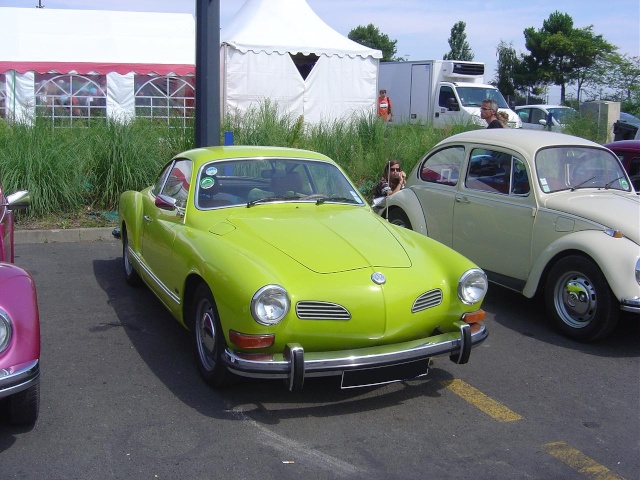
point(18, 378)
point(373, 365)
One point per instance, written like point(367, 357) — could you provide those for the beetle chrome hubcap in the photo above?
point(576, 300)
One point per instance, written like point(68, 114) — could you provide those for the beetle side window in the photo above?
point(177, 184)
point(443, 167)
point(497, 172)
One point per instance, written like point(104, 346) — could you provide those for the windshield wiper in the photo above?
point(608, 185)
point(339, 199)
point(273, 198)
point(582, 183)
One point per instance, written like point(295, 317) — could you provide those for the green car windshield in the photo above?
point(251, 182)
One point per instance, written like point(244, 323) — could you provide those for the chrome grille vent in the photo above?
point(429, 299)
point(310, 310)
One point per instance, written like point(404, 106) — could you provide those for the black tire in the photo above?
point(24, 406)
point(130, 274)
point(399, 218)
point(208, 339)
point(579, 302)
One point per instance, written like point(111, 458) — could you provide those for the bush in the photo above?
point(70, 170)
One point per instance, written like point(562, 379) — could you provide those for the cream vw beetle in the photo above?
point(538, 212)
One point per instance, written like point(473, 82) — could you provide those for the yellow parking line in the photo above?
point(481, 401)
point(578, 461)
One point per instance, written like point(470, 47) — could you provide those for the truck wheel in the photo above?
point(579, 301)
point(399, 218)
point(130, 274)
point(208, 339)
point(24, 406)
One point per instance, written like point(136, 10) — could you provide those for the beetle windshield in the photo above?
point(571, 168)
point(250, 182)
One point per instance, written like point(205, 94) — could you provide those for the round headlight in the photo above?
point(5, 330)
point(472, 286)
point(270, 304)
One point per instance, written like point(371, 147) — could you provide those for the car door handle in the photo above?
point(462, 199)
point(147, 218)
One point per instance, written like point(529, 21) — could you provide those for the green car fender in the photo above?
point(130, 213)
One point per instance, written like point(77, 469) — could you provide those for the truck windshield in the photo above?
point(473, 96)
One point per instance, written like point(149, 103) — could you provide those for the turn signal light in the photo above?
point(244, 340)
point(473, 317)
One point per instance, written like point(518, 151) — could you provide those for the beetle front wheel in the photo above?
point(399, 218)
point(579, 301)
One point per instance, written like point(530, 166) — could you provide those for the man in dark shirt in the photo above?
point(488, 113)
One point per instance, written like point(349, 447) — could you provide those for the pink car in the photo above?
point(19, 325)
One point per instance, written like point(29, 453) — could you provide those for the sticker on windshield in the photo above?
point(624, 184)
point(211, 171)
point(355, 196)
point(207, 182)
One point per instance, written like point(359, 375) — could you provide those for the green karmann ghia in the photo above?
point(280, 269)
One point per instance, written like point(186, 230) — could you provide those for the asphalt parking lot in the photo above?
point(121, 398)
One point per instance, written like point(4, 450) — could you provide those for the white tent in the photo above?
point(114, 46)
point(267, 50)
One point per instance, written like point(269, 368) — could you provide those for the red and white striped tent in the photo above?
point(106, 48)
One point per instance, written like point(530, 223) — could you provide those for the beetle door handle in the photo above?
point(462, 199)
point(147, 218)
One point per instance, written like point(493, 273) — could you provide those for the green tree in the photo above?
point(622, 75)
point(371, 37)
point(559, 52)
point(459, 47)
point(505, 79)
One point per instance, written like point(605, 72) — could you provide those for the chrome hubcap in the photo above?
point(576, 300)
point(206, 331)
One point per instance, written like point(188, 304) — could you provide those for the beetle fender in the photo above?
point(407, 201)
point(616, 258)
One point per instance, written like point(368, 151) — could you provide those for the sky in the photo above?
point(422, 27)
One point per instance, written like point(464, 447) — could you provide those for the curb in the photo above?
point(64, 235)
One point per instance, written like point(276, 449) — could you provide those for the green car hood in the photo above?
point(324, 238)
point(618, 210)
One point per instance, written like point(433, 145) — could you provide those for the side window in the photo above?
point(445, 94)
point(443, 167)
point(520, 178)
point(634, 166)
point(497, 172)
point(537, 115)
point(157, 187)
point(524, 115)
point(177, 184)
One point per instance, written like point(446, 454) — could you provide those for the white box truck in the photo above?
point(439, 92)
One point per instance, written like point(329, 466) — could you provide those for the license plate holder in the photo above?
point(371, 376)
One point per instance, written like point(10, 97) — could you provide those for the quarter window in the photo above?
point(443, 167)
point(177, 184)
